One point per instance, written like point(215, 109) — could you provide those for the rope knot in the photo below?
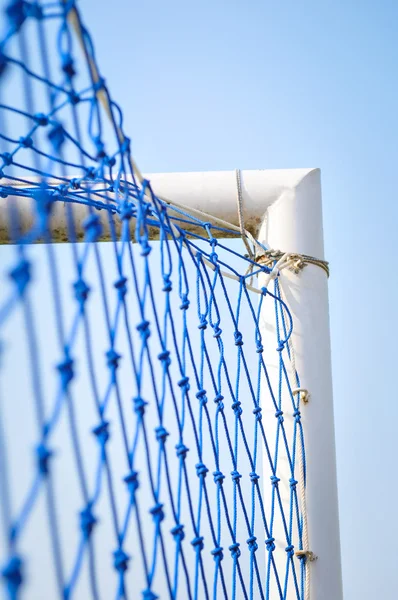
point(43, 458)
point(280, 347)
point(101, 432)
point(252, 543)
point(178, 532)
point(127, 211)
point(146, 248)
point(269, 544)
point(274, 480)
point(236, 476)
point(87, 521)
point(132, 483)
point(279, 416)
point(12, 573)
point(254, 477)
point(293, 482)
point(21, 275)
point(218, 477)
point(41, 119)
point(236, 407)
point(182, 450)
point(120, 560)
point(238, 338)
point(157, 513)
point(297, 416)
point(161, 434)
point(67, 65)
point(56, 136)
point(289, 550)
point(82, 291)
point(112, 359)
point(197, 543)
point(167, 284)
point(143, 328)
point(93, 228)
point(184, 302)
point(201, 470)
point(121, 286)
point(202, 323)
point(16, 13)
point(235, 551)
point(217, 331)
point(184, 384)
point(139, 406)
point(201, 395)
point(164, 357)
point(218, 553)
point(65, 369)
point(259, 348)
point(26, 142)
point(257, 413)
point(149, 595)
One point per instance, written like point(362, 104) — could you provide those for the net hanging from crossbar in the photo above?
point(141, 431)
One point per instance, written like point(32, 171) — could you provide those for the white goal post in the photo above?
point(283, 209)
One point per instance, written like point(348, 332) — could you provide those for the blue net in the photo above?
point(151, 443)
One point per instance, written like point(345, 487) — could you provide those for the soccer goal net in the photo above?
point(166, 419)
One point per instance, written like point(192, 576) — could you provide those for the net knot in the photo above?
point(43, 458)
point(99, 145)
point(236, 476)
point(182, 450)
point(274, 480)
point(91, 173)
point(238, 338)
point(149, 595)
point(178, 532)
point(202, 323)
point(217, 553)
point(161, 434)
point(56, 136)
point(21, 275)
point(201, 395)
point(259, 348)
point(82, 291)
point(26, 142)
point(235, 551)
point(131, 480)
point(258, 413)
point(236, 407)
point(252, 543)
point(280, 347)
point(279, 416)
point(184, 302)
point(269, 544)
point(127, 211)
point(293, 482)
point(112, 359)
point(164, 357)
point(197, 543)
point(218, 477)
point(145, 248)
point(217, 332)
point(67, 65)
point(7, 159)
point(16, 13)
point(3, 63)
point(254, 477)
point(201, 470)
point(33, 9)
point(121, 286)
point(184, 384)
point(297, 416)
point(87, 521)
point(168, 286)
point(139, 406)
point(93, 228)
point(219, 401)
point(12, 573)
point(41, 119)
point(289, 550)
point(157, 513)
point(99, 85)
point(101, 432)
point(74, 97)
point(143, 328)
point(120, 560)
point(65, 369)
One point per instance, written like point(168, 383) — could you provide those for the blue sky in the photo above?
point(220, 85)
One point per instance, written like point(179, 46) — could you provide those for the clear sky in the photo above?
point(223, 84)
